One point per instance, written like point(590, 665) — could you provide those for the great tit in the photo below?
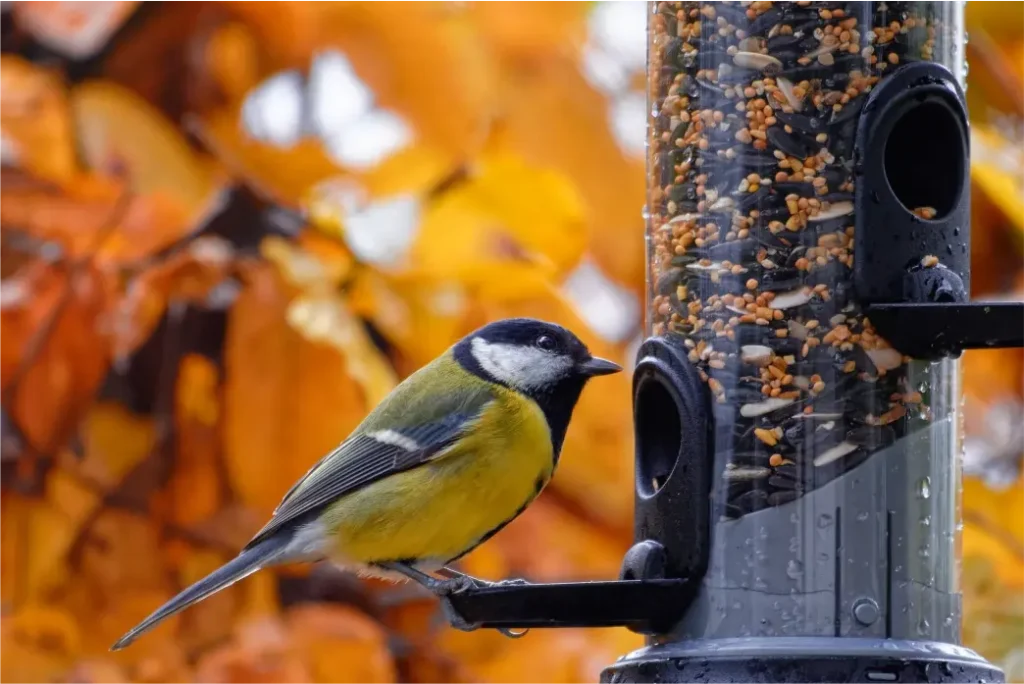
point(452, 455)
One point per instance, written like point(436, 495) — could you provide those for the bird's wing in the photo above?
point(373, 454)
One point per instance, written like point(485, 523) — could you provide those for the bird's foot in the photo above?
point(457, 621)
point(484, 584)
point(456, 583)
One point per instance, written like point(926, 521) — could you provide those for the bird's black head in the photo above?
point(529, 355)
point(542, 360)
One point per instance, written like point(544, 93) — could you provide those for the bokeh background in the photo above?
point(229, 229)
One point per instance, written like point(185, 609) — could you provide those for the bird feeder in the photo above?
point(798, 400)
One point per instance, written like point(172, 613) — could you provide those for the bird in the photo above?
point(454, 453)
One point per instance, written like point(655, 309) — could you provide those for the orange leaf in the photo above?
point(39, 643)
point(287, 400)
point(189, 275)
point(439, 75)
point(54, 524)
point(35, 123)
point(283, 175)
point(531, 31)
point(194, 488)
point(90, 216)
point(263, 651)
point(115, 440)
point(119, 579)
point(70, 352)
point(341, 644)
point(121, 135)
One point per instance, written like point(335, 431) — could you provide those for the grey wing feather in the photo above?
point(361, 460)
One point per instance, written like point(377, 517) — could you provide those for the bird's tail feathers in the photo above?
point(249, 561)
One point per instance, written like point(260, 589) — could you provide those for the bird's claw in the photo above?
point(463, 583)
point(455, 585)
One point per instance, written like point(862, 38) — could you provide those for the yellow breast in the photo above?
point(442, 509)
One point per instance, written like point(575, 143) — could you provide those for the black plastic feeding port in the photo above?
point(913, 212)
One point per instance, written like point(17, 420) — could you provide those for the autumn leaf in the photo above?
point(341, 645)
point(123, 136)
point(61, 352)
point(35, 122)
point(531, 33)
point(420, 317)
point(271, 438)
point(551, 121)
point(195, 487)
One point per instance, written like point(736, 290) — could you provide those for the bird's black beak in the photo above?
point(595, 366)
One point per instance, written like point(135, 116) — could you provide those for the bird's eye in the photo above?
point(546, 342)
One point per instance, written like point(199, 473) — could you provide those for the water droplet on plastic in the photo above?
point(822, 557)
point(923, 552)
point(926, 520)
point(923, 627)
point(924, 487)
point(897, 568)
point(795, 570)
point(824, 520)
point(862, 516)
point(737, 605)
point(948, 622)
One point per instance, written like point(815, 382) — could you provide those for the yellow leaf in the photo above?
point(35, 123)
point(997, 165)
point(115, 440)
point(316, 262)
point(283, 175)
point(532, 30)
point(55, 523)
point(993, 528)
point(555, 119)
point(325, 319)
point(508, 229)
point(420, 317)
point(194, 488)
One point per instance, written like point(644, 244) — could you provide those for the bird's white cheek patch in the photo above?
point(520, 366)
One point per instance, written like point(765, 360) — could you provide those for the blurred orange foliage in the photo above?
point(229, 230)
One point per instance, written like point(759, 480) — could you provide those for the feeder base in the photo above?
point(802, 659)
